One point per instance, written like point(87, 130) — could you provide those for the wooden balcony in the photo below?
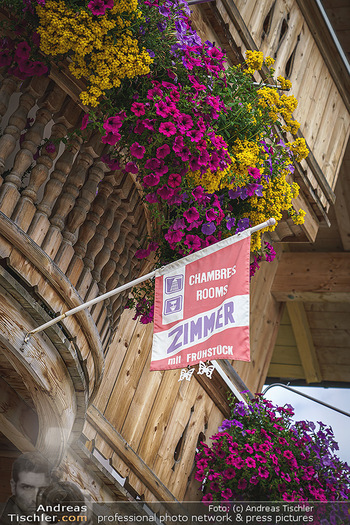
point(69, 228)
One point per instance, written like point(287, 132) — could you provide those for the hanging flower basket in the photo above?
point(208, 143)
point(261, 454)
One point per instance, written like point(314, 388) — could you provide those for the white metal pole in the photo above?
point(99, 298)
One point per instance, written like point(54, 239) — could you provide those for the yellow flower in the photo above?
point(254, 59)
point(101, 49)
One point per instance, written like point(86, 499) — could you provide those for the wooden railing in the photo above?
point(87, 219)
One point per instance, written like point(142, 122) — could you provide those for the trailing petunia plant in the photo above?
point(261, 454)
point(206, 142)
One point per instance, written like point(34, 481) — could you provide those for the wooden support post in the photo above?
point(304, 341)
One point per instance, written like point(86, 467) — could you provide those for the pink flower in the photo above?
point(50, 147)
point(163, 109)
point(152, 164)
point(22, 51)
point(154, 92)
point(165, 192)
point(85, 121)
point(263, 472)
point(174, 236)
point(226, 494)
point(99, 7)
point(254, 480)
point(195, 135)
point(208, 497)
point(162, 151)
point(167, 129)
point(113, 164)
point(229, 473)
point(150, 180)
point(113, 124)
point(174, 180)
point(211, 215)
point(191, 214)
point(131, 167)
point(242, 484)
point(185, 122)
point(138, 108)
point(111, 138)
point(5, 58)
point(193, 242)
point(39, 68)
point(137, 150)
point(254, 172)
point(250, 462)
point(142, 254)
point(215, 53)
point(151, 198)
point(200, 475)
point(161, 170)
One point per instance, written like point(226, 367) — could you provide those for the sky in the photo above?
point(311, 411)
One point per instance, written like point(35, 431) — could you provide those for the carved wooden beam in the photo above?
point(304, 341)
point(313, 276)
point(127, 454)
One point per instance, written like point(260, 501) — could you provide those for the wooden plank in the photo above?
point(305, 345)
point(286, 371)
point(177, 430)
point(141, 405)
point(342, 209)
point(182, 470)
point(327, 307)
point(327, 47)
point(133, 460)
point(290, 40)
point(335, 339)
point(159, 416)
point(336, 373)
point(285, 336)
point(313, 276)
point(329, 320)
point(114, 359)
point(128, 377)
point(314, 103)
point(285, 355)
point(334, 356)
point(256, 19)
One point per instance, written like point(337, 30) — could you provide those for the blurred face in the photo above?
point(26, 489)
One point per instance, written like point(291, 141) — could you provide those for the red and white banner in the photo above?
point(202, 306)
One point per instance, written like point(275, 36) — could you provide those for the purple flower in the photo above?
point(208, 228)
point(230, 223)
point(162, 26)
point(242, 225)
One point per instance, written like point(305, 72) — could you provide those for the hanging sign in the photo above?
point(202, 306)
